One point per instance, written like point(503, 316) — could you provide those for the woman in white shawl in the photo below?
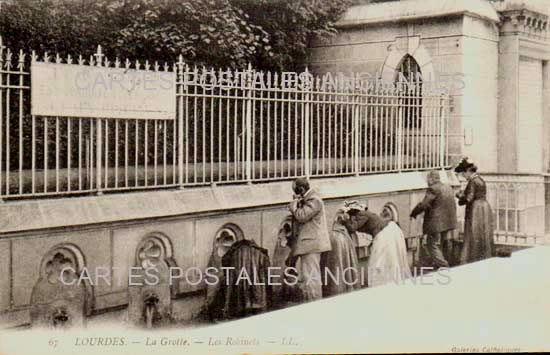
point(388, 260)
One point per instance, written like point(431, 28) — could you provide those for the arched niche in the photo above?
point(225, 237)
point(395, 57)
point(63, 295)
point(61, 256)
point(390, 212)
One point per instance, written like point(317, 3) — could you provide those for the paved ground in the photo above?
point(499, 302)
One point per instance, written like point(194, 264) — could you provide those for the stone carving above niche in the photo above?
point(225, 237)
point(61, 298)
point(150, 297)
point(155, 251)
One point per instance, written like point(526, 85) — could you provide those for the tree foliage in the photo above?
point(292, 25)
point(269, 34)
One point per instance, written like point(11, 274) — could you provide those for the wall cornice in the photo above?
point(525, 22)
point(415, 10)
point(22, 216)
point(534, 49)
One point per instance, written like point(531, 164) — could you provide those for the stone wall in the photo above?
point(500, 52)
point(190, 219)
point(523, 118)
point(459, 51)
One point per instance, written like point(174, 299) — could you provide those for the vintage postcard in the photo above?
point(274, 176)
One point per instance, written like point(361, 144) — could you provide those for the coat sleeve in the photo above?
point(424, 204)
point(307, 210)
point(468, 195)
point(356, 222)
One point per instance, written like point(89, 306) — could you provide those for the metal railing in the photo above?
point(229, 127)
point(518, 205)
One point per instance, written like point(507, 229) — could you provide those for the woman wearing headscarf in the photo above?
point(340, 261)
point(478, 220)
point(388, 260)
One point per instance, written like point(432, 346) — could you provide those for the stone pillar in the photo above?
point(523, 50)
point(508, 103)
point(546, 140)
point(546, 114)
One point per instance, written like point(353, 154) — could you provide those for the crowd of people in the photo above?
point(312, 251)
point(315, 249)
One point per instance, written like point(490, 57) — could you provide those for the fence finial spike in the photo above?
point(21, 61)
point(2, 47)
point(179, 65)
point(22, 56)
point(99, 55)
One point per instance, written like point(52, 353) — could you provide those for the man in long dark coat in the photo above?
point(439, 208)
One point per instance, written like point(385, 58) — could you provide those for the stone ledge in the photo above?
point(14, 318)
point(416, 10)
point(29, 215)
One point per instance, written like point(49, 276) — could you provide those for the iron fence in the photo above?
point(229, 127)
point(519, 209)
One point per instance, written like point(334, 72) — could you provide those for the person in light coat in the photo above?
point(311, 238)
point(388, 260)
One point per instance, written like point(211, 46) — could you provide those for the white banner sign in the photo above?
point(84, 91)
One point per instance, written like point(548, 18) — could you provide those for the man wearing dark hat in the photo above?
point(439, 208)
point(312, 238)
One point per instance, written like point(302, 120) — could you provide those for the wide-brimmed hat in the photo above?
point(464, 165)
